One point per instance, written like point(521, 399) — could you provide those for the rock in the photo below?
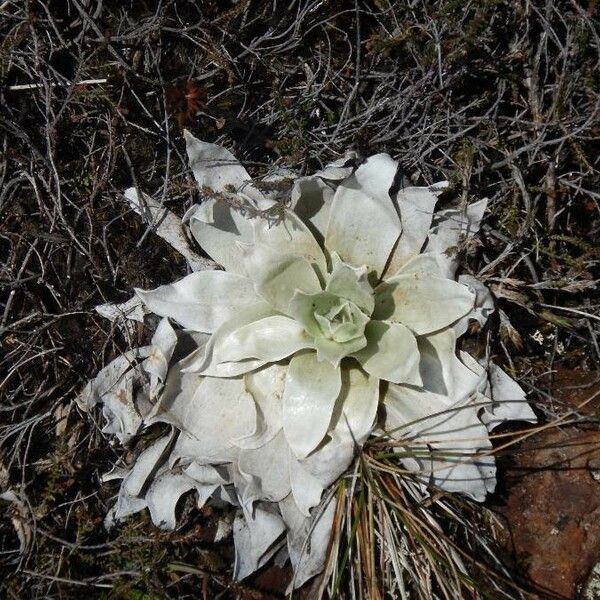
point(552, 501)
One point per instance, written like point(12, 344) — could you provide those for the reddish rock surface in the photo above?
point(552, 501)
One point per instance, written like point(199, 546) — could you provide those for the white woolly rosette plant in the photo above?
point(335, 317)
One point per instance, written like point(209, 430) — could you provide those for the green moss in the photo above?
point(509, 216)
point(291, 148)
point(466, 153)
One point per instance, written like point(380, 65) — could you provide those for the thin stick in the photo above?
point(37, 86)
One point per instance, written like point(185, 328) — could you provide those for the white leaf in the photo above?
point(207, 474)
point(189, 449)
point(145, 466)
point(307, 538)
point(423, 303)
point(278, 275)
point(416, 206)
point(132, 310)
point(364, 225)
point(447, 229)
point(426, 264)
point(113, 388)
point(266, 386)
point(216, 168)
point(218, 228)
point(443, 440)
point(255, 538)
point(220, 411)
point(508, 401)
point(168, 226)
point(306, 488)
point(163, 495)
point(472, 475)
point(312, 196)
point(201, 301)
point(203, 359)
point(117, 472)
point(339, 169)
point(204, 494)
point(176, 395)
point(156, 365)
point(433, 419)
point(290, 235)
point(351, 283)
point(224, 529)
point(336, 452)
point(123, 419)
point(268, 340)
point(356, 407)
point(21, 518)
point(107, 380)
point(311, 389)
point(269, 464)
point(484, 304)
point(441, 370)
point(164, 339)
point(311, 200)
point(131, 497)
point(391, 353)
